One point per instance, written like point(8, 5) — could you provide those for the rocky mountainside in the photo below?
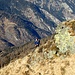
point(23, 20)
point(55, 56)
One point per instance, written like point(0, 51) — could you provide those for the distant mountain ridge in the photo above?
point(23, 20)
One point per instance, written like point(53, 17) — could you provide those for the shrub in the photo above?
point(64, 41)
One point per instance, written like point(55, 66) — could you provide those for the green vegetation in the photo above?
point(63, 39)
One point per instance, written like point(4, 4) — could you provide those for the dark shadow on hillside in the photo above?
point(58, 14)
point(8, 43)
point(27, 25)
point(39, 13)
point(71, 5)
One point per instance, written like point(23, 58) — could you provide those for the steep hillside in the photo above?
point(33, 64)
point(57, 10)
point(15, 31)
point(53, 57)
point(13, 53)
point(31, 18)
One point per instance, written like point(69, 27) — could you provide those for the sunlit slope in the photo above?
point(56, 56)
point(36, 63)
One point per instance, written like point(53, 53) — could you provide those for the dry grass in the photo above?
point(15, 54)
point(71, 24)
point(40, 49)
point(62, 71)
point(57, 66)
point(20, 52)
point(25, 61)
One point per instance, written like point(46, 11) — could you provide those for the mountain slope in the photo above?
point(53, 57)
point(43, 67)
point(29, 19)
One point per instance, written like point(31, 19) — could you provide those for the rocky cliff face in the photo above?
point(23, 20)
point(60, 9)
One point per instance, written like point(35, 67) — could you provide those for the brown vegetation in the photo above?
point(71, 24)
